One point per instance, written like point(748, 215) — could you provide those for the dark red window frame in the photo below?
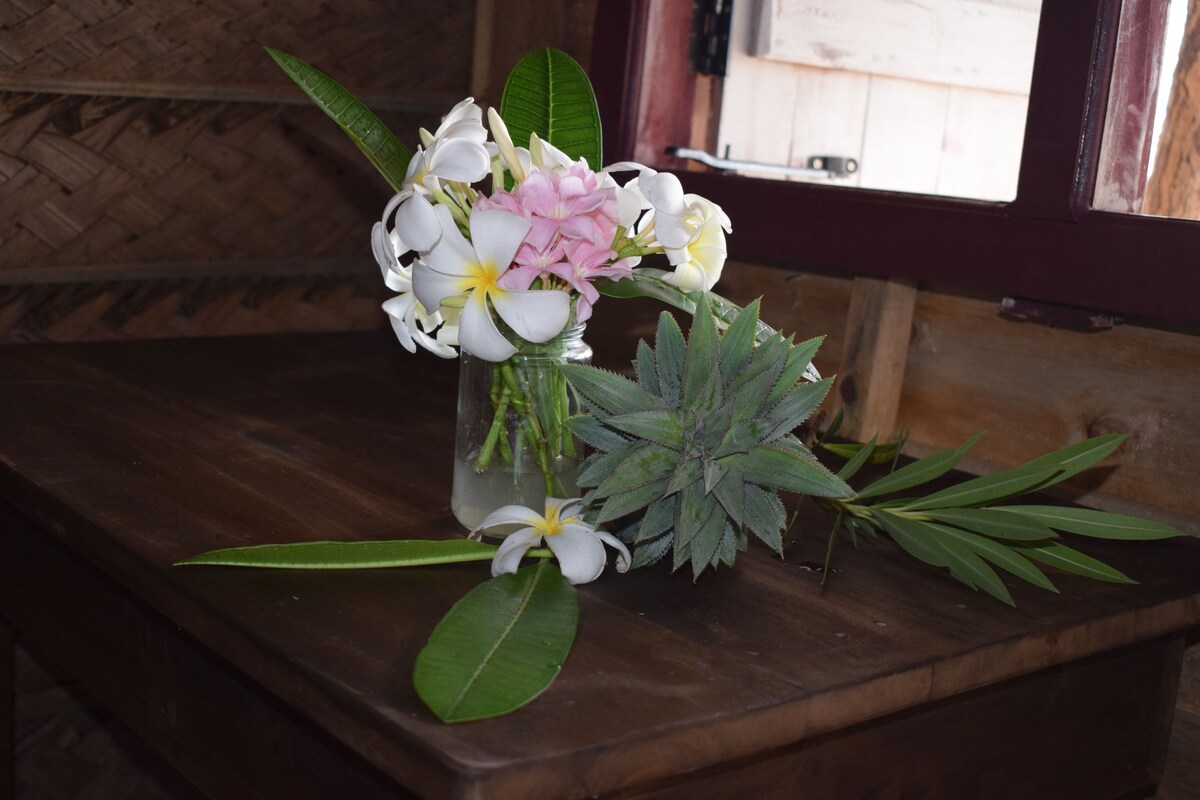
point(1048, 244)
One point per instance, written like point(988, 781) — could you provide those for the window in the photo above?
point(1047, 243)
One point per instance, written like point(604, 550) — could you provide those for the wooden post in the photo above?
point(878, 330)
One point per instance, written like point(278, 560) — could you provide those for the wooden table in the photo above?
point(118, 459)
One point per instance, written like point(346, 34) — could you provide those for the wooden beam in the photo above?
point(878, 329)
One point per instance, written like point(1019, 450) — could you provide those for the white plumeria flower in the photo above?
point(457, 266)
point(410, 321)
point(455, 153)
point(578, 546)
point(698, 263)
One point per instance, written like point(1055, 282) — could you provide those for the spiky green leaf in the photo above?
point(595, 433)
point(765, 516)
point(611, 392)
point(649, 552)
point(669, 349)
point(647, 368)
point(769, 466)
point(797, 406)
point(730, 492)
point(660, 426)
point(647, 463)
point(658, 519)
point(737, 344)
point(618, 505)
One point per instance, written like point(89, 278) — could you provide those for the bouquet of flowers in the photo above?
point(500, 250)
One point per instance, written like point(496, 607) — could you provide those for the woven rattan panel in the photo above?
point(90, 180)
point(394, 47)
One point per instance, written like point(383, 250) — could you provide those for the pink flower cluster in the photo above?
point(574, 221)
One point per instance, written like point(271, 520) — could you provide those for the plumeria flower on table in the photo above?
point(578, 546)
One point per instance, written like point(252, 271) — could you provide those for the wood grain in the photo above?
point(180, 446)
point(7, 696)
point(1035, 388)
point(878, 329)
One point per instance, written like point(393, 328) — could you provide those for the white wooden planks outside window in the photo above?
point(930, 97)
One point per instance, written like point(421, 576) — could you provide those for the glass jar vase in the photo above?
point(512, 444)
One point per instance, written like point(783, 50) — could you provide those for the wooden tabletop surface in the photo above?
point(138, 454)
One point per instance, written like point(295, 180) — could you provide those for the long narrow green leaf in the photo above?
point(549, 94)
point(1073, 561)
point(1090, 522)
point(378, 144)
point(1075, 458)
point(969, 568)
point(1005, 557)
point(987, 488)
point(500, 646)
point(851, 467)
point(348, 555)
point(994, 522)
point(918, 472)
point(912, 536)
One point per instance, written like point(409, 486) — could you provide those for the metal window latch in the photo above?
point(1071, 318)
point(818, 166)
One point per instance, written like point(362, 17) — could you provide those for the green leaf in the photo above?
point(969, 568)
point(798, 359)
point(658, 519)
point(700, 363)
point(595, 433)
point(1073, 561)
point(913, 537)
point(647, 368)
point(1089, 522)
point(704, 544)
point(772, 467)
point(797, 405)
point(1077, 457)
point(765, 516)
point(987, 488)
point(693, 512)
point(994, 522)
point(347, 555)
point(613, 393)
point(688, 471)
point(650, 552)
point(500, 646)
point(882, 453)
point(851, 467)
point(743, 435)
point(627, 502)
point(549, 94)
point(730, 492)
point(737, 343)
point(598, 466)
point(647, 282)
point(669, 353)
point(378, 144)
point(1001, 555)
point(659, 426)
point(647, 463)
point(921, 471)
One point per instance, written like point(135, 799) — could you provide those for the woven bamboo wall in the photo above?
point(159, 176)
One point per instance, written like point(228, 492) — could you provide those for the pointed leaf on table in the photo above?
point(500, 646)
point(1090, 522)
